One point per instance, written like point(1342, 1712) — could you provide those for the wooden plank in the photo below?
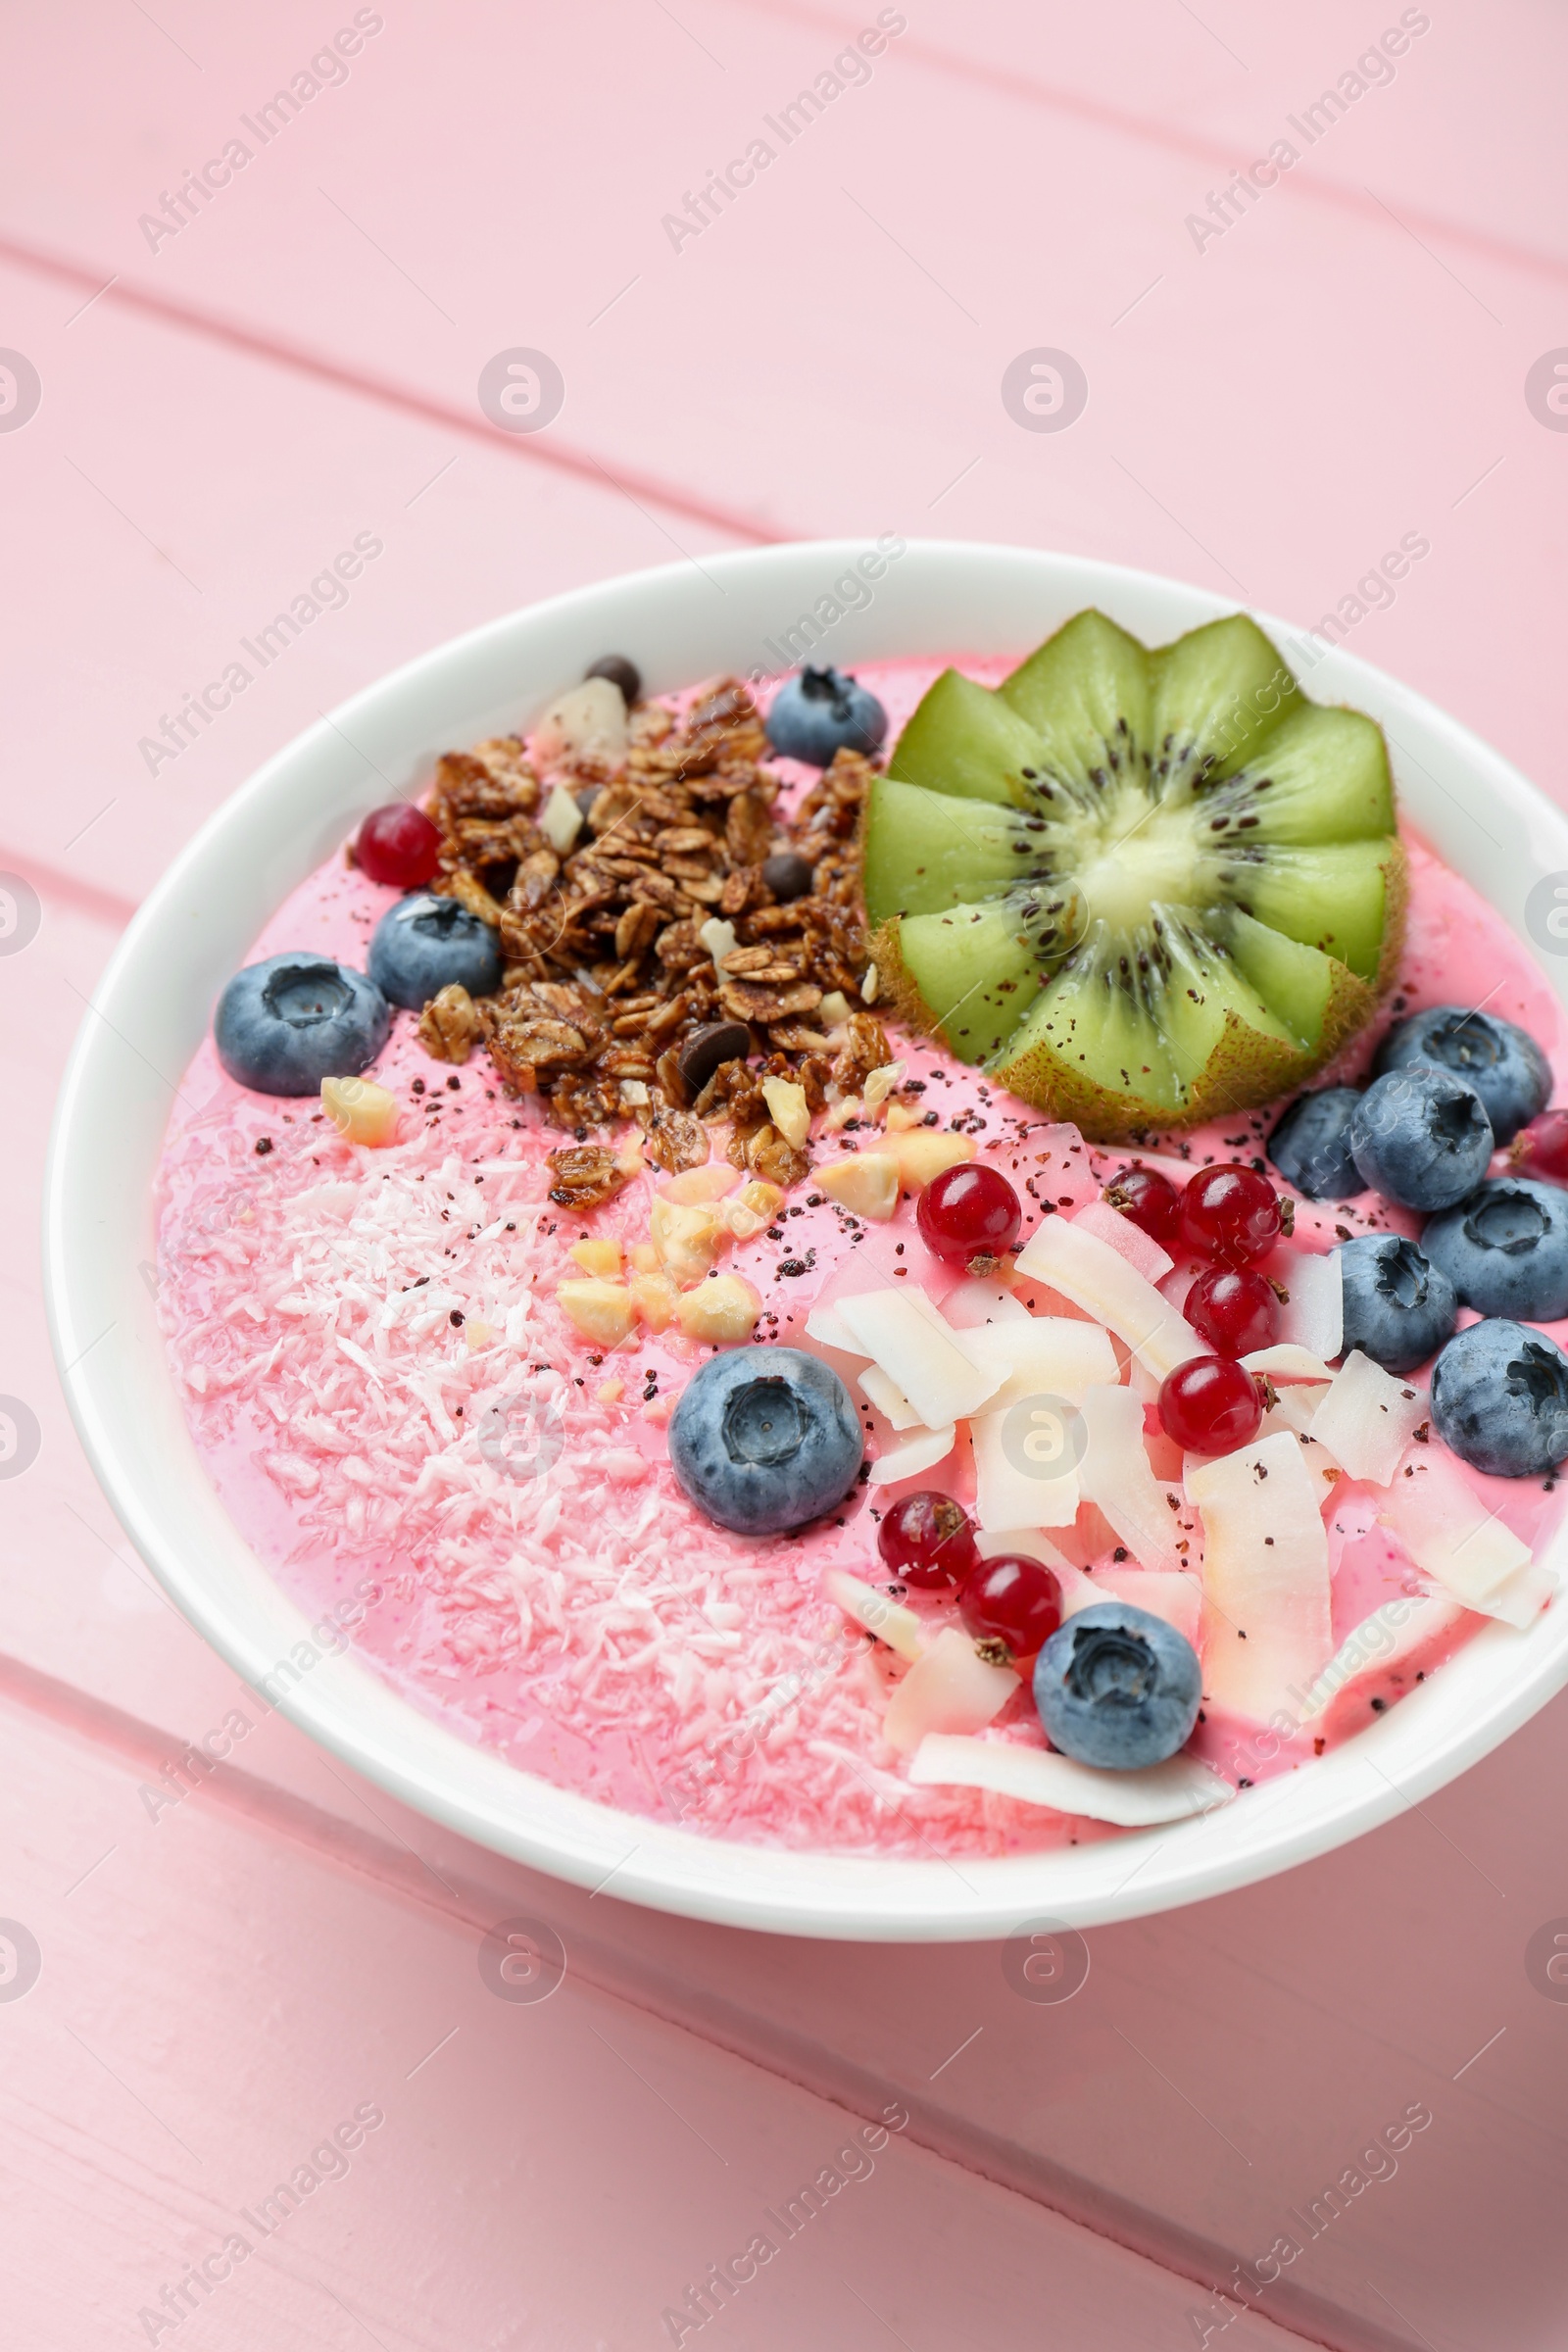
point(218, 2012)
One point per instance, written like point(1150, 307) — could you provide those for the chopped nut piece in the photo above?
point(602, 1311)
point(880, 1083)
point(868, 1185)
point(925, 1151)
point(562, 821)
point(688, 1240)
point(609, 1391)
point(787, 1104)
point(834, 1007)
point(361, 1112)
point(719, 937)
point(450, 1026)
point(723, 1309)
point(656, 1300)
point(691, 1187)
point(868, 985)
point(586, 1174)
point(597, 1257)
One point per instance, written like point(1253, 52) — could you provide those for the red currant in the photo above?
point(968, 1211)
point(1210, 1405)
point(928, 1540)
point(1232, 1309)
point(1149, 1201)
point(1014, 1600)
point(398, 844)
point(1230, 1212)
point(1544, 1145)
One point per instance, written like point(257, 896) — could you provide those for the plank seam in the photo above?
point(99, 1725)
point(279, 351)
point(1210, 152)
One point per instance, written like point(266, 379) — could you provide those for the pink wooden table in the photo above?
point(1285, 378)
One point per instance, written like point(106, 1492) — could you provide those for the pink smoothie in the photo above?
point(384, 1392)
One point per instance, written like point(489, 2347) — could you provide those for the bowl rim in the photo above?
point(96, 1244)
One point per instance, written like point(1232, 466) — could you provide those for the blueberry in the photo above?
point(818, 713)
point(283, 1025)
point(1310, 1146)
point(1398, 1307)
point(1500, 1398)
point(1502, 1063)
point(1422, 1136)
point(425, 944)
point(1117, 1688)
point(765, 1438)
point(1505, 1249)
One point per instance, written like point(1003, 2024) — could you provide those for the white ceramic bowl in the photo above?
point(154, 1002)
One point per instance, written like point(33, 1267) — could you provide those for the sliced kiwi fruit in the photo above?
point(1142, 887)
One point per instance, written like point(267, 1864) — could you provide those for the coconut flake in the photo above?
point(1177, 1597)
point(949, 1688)
point(1012, 1487)
point(1115, 1473)
point(1267, 1619)
point(1129, 1241)
point(888, 1398)
point(1033, 1543)
point(915, 1348)
point(1368, 1418)
point(1099, 1280)
point(1287, 1362)
point(922, 1448)
point(829, 1330)
point(1043, 1355)
point(1396, 1630)
point(1174, 1791)
point(977, 1301)
point(889, 1620)
point(1450, 1535)
point(1313, 1315)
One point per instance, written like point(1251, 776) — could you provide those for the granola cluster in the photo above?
point(656, 923)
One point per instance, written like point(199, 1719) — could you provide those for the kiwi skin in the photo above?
point(1241, 1076)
